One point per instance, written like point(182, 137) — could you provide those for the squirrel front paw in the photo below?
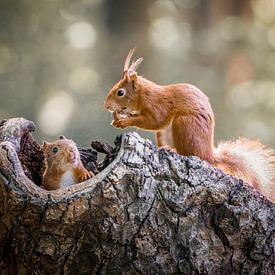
point(119, 123)
point(87, 176)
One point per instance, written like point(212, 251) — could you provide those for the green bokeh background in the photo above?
point(58, 59)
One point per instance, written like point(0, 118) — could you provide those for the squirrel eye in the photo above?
point(121, 92)
point(55, 150)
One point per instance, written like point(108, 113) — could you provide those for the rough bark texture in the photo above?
point(150, 211)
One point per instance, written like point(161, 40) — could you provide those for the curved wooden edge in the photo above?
point(14, 128)
point(11, 169)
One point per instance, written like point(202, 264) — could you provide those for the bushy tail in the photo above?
point(249, 160)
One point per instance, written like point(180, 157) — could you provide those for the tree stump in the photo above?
point(149, 211)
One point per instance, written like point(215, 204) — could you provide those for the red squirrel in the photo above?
point(63, 165)
point(182, 118)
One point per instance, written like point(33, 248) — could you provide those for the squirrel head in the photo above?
point(123, 96)
point(62, 152)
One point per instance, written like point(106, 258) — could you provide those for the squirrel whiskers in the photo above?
point(182, 118)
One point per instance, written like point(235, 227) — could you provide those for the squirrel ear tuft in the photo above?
point(62, 137)
point(45, 144)
point(131, 76)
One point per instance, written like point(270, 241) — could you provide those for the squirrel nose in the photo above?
point(106, 105)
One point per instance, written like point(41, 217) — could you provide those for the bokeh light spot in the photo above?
point(167, 34)
point(81, 35)
point(252, 93)
point(264, 9)
point(56, 113)
point(162, 8)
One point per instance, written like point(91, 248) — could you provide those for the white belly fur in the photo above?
point(67, 180)
point(166, 136)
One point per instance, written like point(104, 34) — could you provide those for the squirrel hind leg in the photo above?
point(193, 137)
point(164, 137)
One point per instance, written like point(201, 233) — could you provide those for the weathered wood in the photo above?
point(150, 211)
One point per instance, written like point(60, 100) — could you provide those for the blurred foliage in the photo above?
point(59, 58)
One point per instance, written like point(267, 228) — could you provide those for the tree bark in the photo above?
point(150, 211)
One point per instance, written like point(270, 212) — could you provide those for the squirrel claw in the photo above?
point(119, 123)
point(87, 176)
point(91, 174)
point(169, 148)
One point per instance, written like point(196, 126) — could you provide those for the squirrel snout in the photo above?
point(108, 107)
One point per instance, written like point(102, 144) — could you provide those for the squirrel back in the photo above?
point(63, 164)
point(182, 118)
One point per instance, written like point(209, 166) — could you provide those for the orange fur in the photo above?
point(63, 164)
point(182, 117)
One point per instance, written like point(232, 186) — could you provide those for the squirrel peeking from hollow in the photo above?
point(63, 165)
point(182, 118)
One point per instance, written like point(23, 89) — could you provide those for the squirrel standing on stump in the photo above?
point(182, 118)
